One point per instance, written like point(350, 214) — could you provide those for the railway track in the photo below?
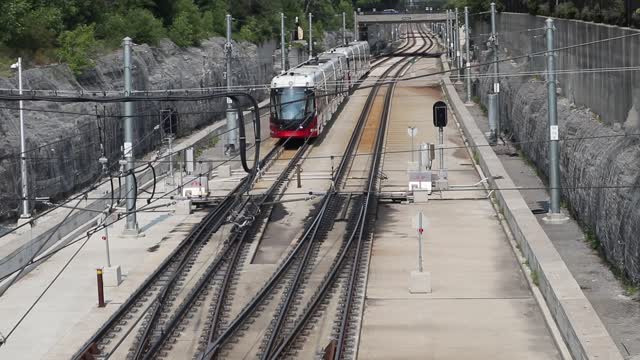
point(146, 311)
point(289, 282)
point(184, 299)
point(349, 268)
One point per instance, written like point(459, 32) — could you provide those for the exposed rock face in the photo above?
point(600, 171)
point(71, 161)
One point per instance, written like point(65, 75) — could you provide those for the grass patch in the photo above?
point(535, 278)
point(483, 108)
point(5, 66)
point(592, 239)
point(630, 289)
point(599, 118)
point(476, 157)
point(476, 99)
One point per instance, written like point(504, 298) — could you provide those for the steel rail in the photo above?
point(210, 224)
point(230, 253)
point(361, 228)
point(358, 231)
point(270, 197)
point(311, 229)
point(297, 281)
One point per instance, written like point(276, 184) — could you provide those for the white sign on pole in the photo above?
point(412, 131)
point(127, 149)
point(555, 132)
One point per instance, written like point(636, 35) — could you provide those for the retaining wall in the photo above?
point(579, 325)
point(600, 168)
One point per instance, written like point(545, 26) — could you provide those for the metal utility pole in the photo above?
point(283, 45)
point(356, 35)
point(23, 148)
point(454, 39)
point(344, 28)
point(554, 153)
point(496, 69)
point(458, 45)
point(450, 45)
point(310, 36)
point(232, 133)
point(105, 237)
point(132, 223)
point(447, 38)
point(467, 40)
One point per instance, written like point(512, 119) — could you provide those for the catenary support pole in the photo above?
point(344, 28)
point(467, 41)
point(458, 45)
point(356, 35)
point(454, 39)
point(232, 134)
point(310, 36)
point(554, 153)
point(496, 67)
point(492, 99)
point(283, 45)
point(131, 226)
point(23, 155)
point(448, 38)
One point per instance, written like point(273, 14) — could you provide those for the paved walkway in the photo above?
point(618, 310)
point(481, 305)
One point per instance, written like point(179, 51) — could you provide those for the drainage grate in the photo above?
point(543, 208)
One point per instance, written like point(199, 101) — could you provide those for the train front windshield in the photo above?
point(291, 104)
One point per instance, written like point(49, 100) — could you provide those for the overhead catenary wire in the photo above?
point(514, 143)
point(88, 236)
point(205, 93)
point(86, 239)
point(96, 185)
point(135, 98)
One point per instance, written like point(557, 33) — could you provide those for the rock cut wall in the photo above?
point(75, 133)
point(600, 168)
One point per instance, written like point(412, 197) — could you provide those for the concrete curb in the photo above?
point(580, 326)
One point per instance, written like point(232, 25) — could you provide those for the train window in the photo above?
point(291, 104)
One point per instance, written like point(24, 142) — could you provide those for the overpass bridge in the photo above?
point(383, 18)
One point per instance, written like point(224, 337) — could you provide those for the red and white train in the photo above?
point(305, 98)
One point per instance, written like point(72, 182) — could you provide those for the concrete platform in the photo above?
point(68, 315)
point(619, 312)
point(481, 305)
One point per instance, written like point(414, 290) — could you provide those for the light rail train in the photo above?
point(304, 98)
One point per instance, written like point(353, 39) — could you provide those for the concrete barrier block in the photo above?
point(420, 282)
point(112, 276)
point(183, 207)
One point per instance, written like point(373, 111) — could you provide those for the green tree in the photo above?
point(181, 31)
point(32, 28)
point(566, 10)
point(77, 47)
point(139, 24)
